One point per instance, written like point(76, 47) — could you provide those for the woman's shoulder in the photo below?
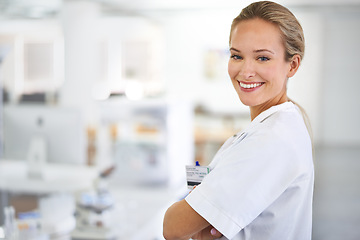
point(283, 130)
point(287, 120)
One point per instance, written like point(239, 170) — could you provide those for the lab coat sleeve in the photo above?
point(249, 177)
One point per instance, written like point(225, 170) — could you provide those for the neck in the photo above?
point(256, 110)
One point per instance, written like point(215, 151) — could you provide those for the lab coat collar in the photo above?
point(267, 113)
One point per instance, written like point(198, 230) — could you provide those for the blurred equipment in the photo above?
point(39, 131)
point(9, 230)
point(52, 219)
point(94, 212)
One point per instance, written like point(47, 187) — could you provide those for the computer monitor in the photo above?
point(63, 130)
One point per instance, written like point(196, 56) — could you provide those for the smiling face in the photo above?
point(257, 66)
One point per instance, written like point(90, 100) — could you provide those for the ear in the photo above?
point(294, 65)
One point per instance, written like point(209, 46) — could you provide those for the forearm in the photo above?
point(182, 222)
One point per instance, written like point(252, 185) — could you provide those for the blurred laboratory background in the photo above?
point(104, 102)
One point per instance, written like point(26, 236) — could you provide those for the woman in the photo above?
point(261, 183)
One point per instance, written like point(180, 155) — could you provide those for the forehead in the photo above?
point(257, 34)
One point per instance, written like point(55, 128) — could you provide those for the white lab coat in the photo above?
point(261, 183)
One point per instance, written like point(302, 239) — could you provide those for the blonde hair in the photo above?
point(292, 33)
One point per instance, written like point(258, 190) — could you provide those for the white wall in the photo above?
point(341, 88)
point(81, 56)
point(305, 87)
point(188, 35)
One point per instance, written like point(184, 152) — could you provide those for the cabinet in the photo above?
point(151, 140)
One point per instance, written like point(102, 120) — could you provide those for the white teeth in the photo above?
point(253, 85)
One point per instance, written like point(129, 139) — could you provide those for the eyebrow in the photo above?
point(255, 51)
point(264, 50)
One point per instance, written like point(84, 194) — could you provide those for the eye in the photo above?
point(235, 57)
point(263, 59)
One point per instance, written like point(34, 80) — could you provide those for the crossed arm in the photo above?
point(182, 222)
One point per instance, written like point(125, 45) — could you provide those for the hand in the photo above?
point(208, 233)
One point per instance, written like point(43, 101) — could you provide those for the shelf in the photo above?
point(56, 178)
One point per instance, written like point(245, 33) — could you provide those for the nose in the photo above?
point(246, 70)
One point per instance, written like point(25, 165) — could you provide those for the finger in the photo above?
point(215, 233)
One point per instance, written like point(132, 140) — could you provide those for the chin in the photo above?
point(247, 102)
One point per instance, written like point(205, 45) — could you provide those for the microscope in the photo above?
point(94, 212)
